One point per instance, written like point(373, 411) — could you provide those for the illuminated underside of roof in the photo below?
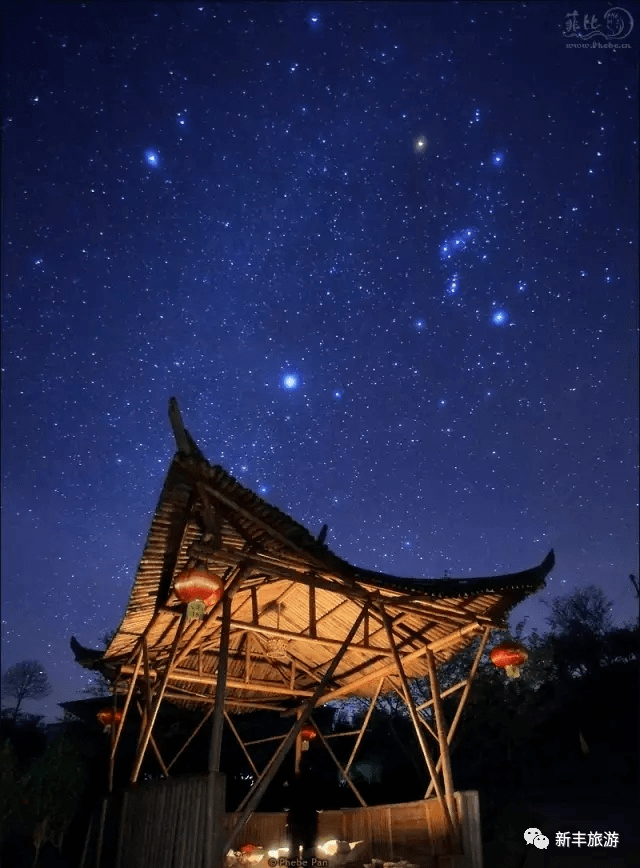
point(292, 606)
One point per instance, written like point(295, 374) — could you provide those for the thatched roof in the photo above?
point(292, 592)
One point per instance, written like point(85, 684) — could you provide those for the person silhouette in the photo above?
point(302, 820)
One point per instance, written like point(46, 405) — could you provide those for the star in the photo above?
point(152, 158)
point(500, 317)
point(290, 381)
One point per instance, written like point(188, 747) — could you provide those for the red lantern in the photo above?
point(308, 732)
point(198, 583)
point(107, 716)
point(509, 656)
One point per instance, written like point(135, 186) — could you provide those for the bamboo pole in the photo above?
point(263, 740)
point(214, 832)
point(221, 685)
point(280, 633)
point(297, 760)
point(118, 732)
point(274, 764)
point(441, 727)
point(424, 722)
point(154, 747)
point(463, 698)
point(241, 743)
point(259, 686)
point(389, 668)
point(408, 698)
point(365, 723)
point(154, 712)
point(342, 771)
point(192, 736)
point(444, 693)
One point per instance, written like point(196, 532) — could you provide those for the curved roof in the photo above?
point(293, 602)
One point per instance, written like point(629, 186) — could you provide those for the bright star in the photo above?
point(500, 317)
point(497, 158)
point(290, 381)
point(152, 158)
point(420, 144)
point(419, 324)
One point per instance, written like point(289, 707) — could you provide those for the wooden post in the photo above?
point(463, 699)
point(153, 713)
point(118, 733)
point(344, 774)
point(365, 722)
point(408, 698)
point(214, 829)
point(298, 749)
point(241, 743)
point(441, 728)
point(276, 760)
point(215, 745)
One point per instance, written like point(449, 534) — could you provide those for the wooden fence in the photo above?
point(162, 825)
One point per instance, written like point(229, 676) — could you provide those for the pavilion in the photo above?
point(292, 628)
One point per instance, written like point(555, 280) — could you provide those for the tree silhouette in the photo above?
point(25, 680)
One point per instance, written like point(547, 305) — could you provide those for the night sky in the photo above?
point(383, 254)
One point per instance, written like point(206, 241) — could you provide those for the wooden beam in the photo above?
point(259, 686)
point(127, 702)
point(461, 703)
point(179, 432)
point(272, 767)
point(154, 746)
point(240, 742)
point(154, 712)
point(408, 698)
point(444, 693)
point(312, 611)
point(299, 637)
point(249, 704)
point(365, 723)
point(388, 669)
point(441, 729)
point(215, 746)
point(343, 772)
point(422, 720)
point(192, 736)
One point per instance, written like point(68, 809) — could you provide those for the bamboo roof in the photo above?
point(293, 603)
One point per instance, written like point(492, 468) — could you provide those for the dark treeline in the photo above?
point(567, 728)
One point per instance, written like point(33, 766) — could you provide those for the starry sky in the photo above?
point(384, 254)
